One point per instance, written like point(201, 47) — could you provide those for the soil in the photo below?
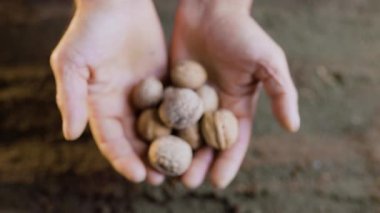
point(331, 165)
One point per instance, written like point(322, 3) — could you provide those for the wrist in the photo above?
point(111, 4)
point(219, 5)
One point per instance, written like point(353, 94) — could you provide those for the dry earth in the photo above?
point(331, 165)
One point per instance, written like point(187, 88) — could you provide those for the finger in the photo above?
point(228, 162)
point(155, 178)
point(106, 121)
point(197, 171)
point(71, 83)
point(275, 75)
point(152, 176)
point(281, 90)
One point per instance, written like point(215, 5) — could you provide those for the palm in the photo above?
point(102, 55)
point(226, 57)
point(238, 55)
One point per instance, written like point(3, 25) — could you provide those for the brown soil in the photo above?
point(331, 165)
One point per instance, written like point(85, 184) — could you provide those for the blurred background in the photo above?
point(331, 165)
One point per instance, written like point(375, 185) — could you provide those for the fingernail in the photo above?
point(65, 131)
point(155, 180)
point(221, 184)
point(138, 174)
point(190, 184)
point(221, 181)
point(294, 120)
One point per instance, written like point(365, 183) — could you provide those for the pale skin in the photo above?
point(105, 52)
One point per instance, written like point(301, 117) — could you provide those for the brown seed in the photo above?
point(170, 155)
point(150, 127)
point(147, 93)
point(192, 136)
point(180, 108)
point(209, 98)
point(188, 74)
point(220, 129)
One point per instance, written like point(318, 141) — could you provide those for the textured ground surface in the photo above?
point(331, 165)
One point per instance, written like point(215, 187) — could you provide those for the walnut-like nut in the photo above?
point(150, 127)
point(147, 93)
point(220, 129)
point(188, 74)
point(180, 108)
point(170, 155)
point(209, 98)
point(192, 135)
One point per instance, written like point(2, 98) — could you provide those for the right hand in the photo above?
point(108, 47)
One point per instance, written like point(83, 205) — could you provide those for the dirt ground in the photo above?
point(331, 165)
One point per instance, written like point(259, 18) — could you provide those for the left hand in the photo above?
point(239, 57)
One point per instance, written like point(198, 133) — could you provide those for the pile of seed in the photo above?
point(181, 118)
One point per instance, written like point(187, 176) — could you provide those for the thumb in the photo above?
point(281, 90)
point(71, 84)
point(274, 73)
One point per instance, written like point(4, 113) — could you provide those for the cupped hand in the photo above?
point(108, 47)
point(239, 57)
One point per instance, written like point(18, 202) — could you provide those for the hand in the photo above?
point(239, 57)
point(108, 47)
